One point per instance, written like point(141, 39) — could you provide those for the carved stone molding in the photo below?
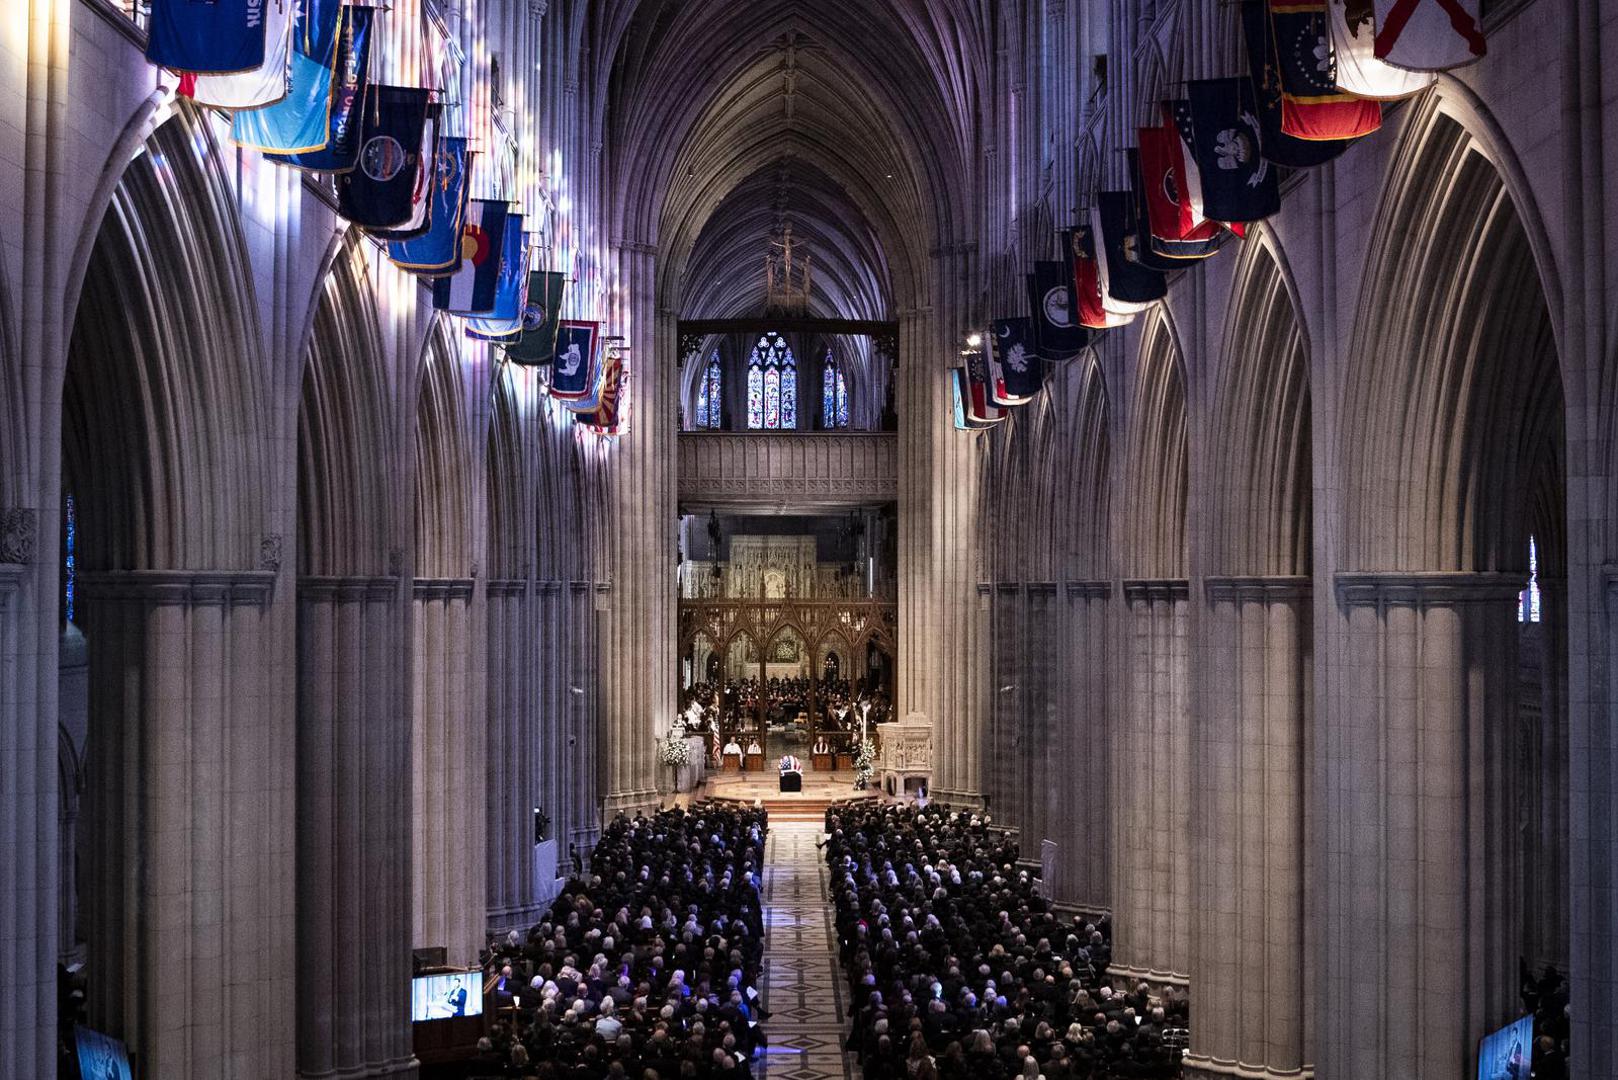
point(347, 589)
point(1089, 590)
point(269, 553)
point(1431, 589)
point(185, 587)
point(506, 587)
point(1265, 589)
point(443, 588)
point(19, 533)
point(736, 468)
point(1157, 589)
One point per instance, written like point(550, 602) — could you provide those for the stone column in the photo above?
point(519, 753)
point(189, 823)
point(1152, 786)
point(450, 756)
point(28, 822)
point(1419, 899)
point(354, 818)
point(1247, 960)
point(1041, 775)
point(637, 674)
point(1081, 821)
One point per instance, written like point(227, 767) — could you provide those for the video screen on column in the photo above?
point(444, 997)
point(1507, 1054)
point(101, 1057)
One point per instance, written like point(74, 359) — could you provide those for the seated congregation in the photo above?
point(647, 968)
point(959, 971)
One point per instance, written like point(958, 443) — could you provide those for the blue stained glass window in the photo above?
point(755, 397)
point(70, 561)
point(710, 407)
point(833, 395)
point(1528, 599)
point(772, 385)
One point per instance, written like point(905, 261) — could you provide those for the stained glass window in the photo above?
point(1528, 599)
point(710, 406)
point(772, 385)
point(70, 561)
point(833, 395)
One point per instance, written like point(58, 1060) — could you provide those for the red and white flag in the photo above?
point(1359, 72)
point(1428, 35)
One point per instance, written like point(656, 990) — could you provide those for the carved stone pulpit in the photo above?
point(906, 758)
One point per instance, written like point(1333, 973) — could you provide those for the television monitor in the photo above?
point(1507, 1054)
point(446, 996)
point(101, 1057)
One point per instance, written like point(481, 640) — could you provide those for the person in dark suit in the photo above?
point(456, 998)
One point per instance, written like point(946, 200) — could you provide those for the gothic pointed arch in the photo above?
point(1156, 475)
point(443, 465)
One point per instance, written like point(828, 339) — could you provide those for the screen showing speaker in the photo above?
point(1507, 1054)
point(444, 997)
point(101, 1057)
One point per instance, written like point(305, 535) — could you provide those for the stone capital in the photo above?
point(1258, 588)
point(19, 534)
point(1156, 589)
point(1426, 589)
point(188, 588)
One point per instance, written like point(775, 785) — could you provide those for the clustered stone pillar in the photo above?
point(1420, 899)
point(1152, 785)
point(354, 828)
point(519, 752)
point(1248, 964)
point(28, 840)
point(1081, 822)
point(449, 801)
point(189, 813)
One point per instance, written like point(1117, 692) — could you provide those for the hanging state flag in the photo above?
point(300, 122)
point(438, 250)
point(1169, 216)
point(470, 290)
point(258, 86)
point(347, 103)
point(1353, 42)
point(1276, 145)
point(1428, 35)
point(1055, 333)
point(207, 35)
point(1016, 368)
point(960, 387)
point(1152, 251)
point(1312, 108)
point(981, 411)
point(1177, 116)
point(1238, 183)
point(540, 318)
point(504, 320)
point(421, 188)
point(1127, 288)
point(611, 416)
point(381, 190)
point(573, 373)
point(1087, 305)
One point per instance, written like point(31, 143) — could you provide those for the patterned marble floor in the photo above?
point(803, 986)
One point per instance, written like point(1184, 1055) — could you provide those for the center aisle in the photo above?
point(803, 985)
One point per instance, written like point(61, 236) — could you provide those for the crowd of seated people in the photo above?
point(1545, 997)
point(647, 968)
point(959, 971)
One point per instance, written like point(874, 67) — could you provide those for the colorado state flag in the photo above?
point(471, 289)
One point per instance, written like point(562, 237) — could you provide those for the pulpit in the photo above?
point(905, 759)
point(822, 762)
point(755, 762)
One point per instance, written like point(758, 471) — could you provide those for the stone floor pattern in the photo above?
point(803, 985)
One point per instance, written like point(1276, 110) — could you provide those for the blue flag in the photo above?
point(299, 122)
point(438, 250)
point(470, 289)
point(573, 372)
point(1224, 136)
point(1016, 371)
point(379, 192)
point(1121, 278)
point(504, 321)
point(1054, 332)
point(216, 36)
point(1264, 64)
point(344, 120)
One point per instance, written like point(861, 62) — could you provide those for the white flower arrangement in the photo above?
point(674, 751)
point(864, 763)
